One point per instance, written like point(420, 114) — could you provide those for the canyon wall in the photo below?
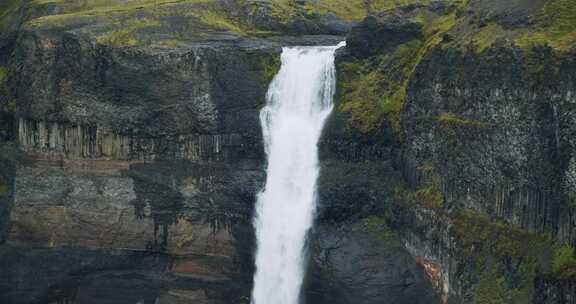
point(132, 152)
point(132, 156)
point(480, 122)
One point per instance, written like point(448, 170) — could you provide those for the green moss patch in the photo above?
point(3, 73)
point(493, 246)
point(430, 196)
point(268, 66)
point(373, 90)
point(4, 190)
point(73, 8)
point(564, 263)
point(555, 27)
point(487, 36)
point(351, 10)
point(346, 9)
point(475, 230)
point(359, 95)
point(123, 19)
point(495, 289)
point(123, 36)
point(451, 119)
point(377, 227)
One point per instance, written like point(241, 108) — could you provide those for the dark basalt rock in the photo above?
point(510, 156)
point(506, 13)
point(7, 174)
point(153, 92)
point(353, 266)
point(379, 34)
point(515, 135)
point(35, 275)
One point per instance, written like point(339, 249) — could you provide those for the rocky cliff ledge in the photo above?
point(131, 149)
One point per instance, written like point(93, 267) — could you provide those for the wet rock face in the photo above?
point(74, 275)
point(355, 266)
point(203, 89)
point(356, 257)
point(498, 138)
point(508, 154)
point(170, 230)
point(177, 208)
point(378, 34)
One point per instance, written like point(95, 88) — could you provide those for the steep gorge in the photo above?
point(132, 151)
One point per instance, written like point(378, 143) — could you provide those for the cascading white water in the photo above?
point(298, 102)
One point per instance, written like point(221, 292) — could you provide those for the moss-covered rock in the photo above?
point(564, 263)
point(555, 26)
point(379, 64)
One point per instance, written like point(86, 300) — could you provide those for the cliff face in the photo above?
point(492, 135)
point(132, 156)
point(136, 166)
point(478, 109)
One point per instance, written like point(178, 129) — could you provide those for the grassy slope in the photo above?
point(555, 26)
point(373, 91)
point(352, 10)
point(125, 18)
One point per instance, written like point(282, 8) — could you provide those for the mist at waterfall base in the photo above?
point(298, 102)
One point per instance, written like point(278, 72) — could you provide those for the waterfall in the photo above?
point(298, 102)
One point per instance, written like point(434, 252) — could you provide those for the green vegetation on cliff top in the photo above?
point(485, 37)
point(352, 10)
point(118, 22)
point(123, 35)
point(374, 89)
point(211, 13)
point(555, 26)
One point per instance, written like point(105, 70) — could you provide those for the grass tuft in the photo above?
point(455, 120)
